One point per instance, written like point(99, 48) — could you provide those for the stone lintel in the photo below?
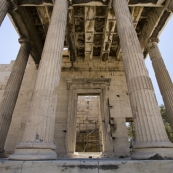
point(93, 81)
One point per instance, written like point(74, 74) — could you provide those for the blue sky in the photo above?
point(9, 47)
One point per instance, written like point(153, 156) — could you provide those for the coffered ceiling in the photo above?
point(91, 31)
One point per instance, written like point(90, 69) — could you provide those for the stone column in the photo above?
point(151, 137)
point(4, 5)
point(38, 138)
point(11, 91)
point(162, 76)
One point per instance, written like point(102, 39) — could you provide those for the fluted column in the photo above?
point(150, 131)
point(38, 138)
point(11, 91)
point(162, 76)
point(4, 5)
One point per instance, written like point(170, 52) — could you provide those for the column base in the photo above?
point(153, 145)
point(71, 155)
point(152, 154)
point(83, 155)
point(33, 154)
point(107, 154)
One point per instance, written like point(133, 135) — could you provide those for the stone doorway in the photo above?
point(88, 124)
point(84, 87)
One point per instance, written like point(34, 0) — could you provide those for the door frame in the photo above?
point(97, 86)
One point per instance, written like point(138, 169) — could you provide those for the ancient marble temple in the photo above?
point(80, 76)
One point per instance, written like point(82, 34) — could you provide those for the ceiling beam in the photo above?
point(24, 25)
point(151, 23)
point(148, 3)
point(44, 17)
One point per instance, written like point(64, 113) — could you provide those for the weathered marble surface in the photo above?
point(21, 109)
point(39, 131)
point(150, 131)
point(85, 166)
point(4, 5)
point(163, 78)
point(12, 89)
point(117, 94)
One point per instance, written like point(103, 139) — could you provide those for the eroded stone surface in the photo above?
point(150, 131)
point(11, 90)
point(39, 130)
point(93, 56)
point(4, 5)
point(162, 76)
point(21, 109)
point(83, 166)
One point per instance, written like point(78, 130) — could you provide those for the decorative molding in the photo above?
point(152, 42)
point(98, 86)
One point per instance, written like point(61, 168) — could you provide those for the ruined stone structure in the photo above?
point(80, 76)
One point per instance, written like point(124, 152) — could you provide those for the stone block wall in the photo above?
point(5, 71)
point(117, 94)
point(88, 124)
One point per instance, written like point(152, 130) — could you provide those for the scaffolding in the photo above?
point(88, 137)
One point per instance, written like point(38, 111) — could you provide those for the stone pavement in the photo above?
point(87, 166)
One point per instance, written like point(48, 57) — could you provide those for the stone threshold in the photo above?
point(87, 166)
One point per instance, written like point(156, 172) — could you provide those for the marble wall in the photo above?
point(117, 94)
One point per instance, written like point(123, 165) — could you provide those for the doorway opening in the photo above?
point(131, 132)
point(88, 124)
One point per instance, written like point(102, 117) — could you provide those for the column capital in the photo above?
point(152, 42)
point(24, 40)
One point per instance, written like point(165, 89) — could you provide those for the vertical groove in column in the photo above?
point(162, 76)
point(142, 98)
point(12, 89)
point(4, 5)
point(39, 131)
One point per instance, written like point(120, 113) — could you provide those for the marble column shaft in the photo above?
point(12, 89)
point(4, 5)
point(162, 76)
point(150, 131)
point(39, 130)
